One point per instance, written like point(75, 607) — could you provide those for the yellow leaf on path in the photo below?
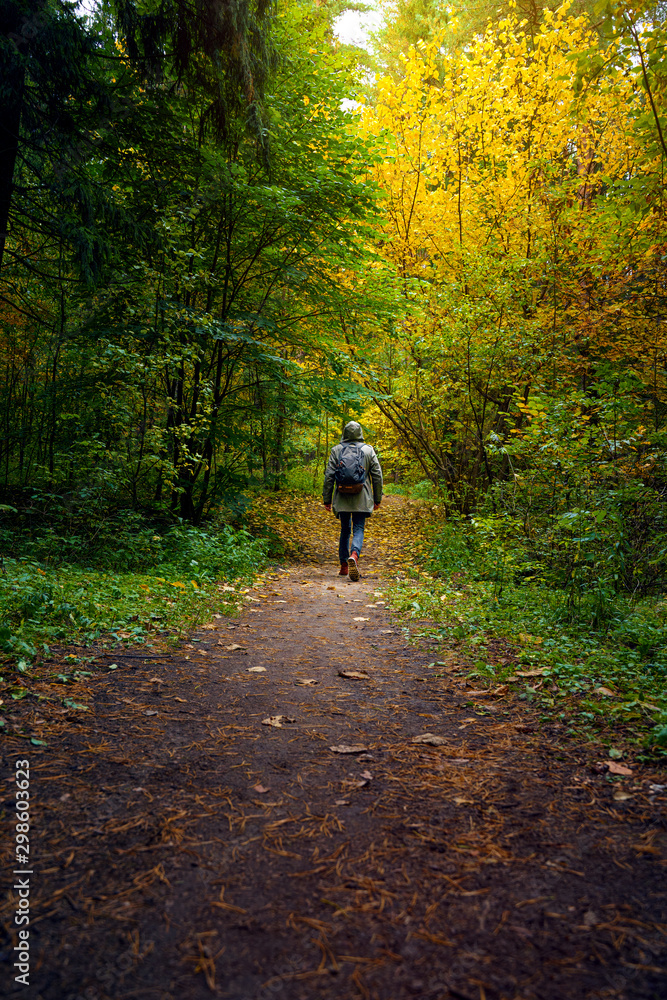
point(361, 619)
point(234, 646)
point(277, 720)
point(430, 739)
point(256, 670)
point(621, 769)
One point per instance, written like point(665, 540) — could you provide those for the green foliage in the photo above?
point(481, 586)
point(83, 530)
point(42, 603)
point(206, 346)
point(222, 552)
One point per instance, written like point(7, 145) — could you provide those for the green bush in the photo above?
point(224, 551)
point(82, 530)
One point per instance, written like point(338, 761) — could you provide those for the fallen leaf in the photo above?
point(306, 681)
point(260, 789)
point(361, 619)
point(182, 700)
point(69, 703)
point(151, 711)
point(615, 768)
point(620, 796)
point(460, 801)
point(367, 775)
point(256, 670)
point(605, 691)
point(615, 754)
point(530, 673)
point(344, 748)
point(342, 802)
point(357, 675)
point(277, 720)
point(430, 739)
point(234, 646)
point(387, 631)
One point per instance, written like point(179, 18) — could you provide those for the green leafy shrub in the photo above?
point(423, 490)
point(224, 551)
point(82, 530)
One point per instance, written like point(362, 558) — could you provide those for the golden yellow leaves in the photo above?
point(307, 533)
point(478, 133)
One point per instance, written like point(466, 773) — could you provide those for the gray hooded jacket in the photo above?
point(372, 489)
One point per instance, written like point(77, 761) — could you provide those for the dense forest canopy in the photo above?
point(225, 234)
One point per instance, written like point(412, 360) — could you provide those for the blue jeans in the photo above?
point(357, 526)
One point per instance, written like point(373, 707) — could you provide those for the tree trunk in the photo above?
point(10, 123)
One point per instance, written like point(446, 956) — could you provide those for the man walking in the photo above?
point(354, 472)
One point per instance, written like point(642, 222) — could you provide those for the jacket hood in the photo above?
point(352, 432)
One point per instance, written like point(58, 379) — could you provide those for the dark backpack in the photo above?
point(350, 474)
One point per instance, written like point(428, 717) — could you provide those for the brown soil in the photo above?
point(183, 849)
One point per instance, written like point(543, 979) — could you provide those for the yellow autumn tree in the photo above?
point(512, 185)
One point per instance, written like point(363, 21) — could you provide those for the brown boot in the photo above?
point(352, 567)
point(343, 569)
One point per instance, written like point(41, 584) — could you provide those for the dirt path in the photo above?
point(184, 849)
